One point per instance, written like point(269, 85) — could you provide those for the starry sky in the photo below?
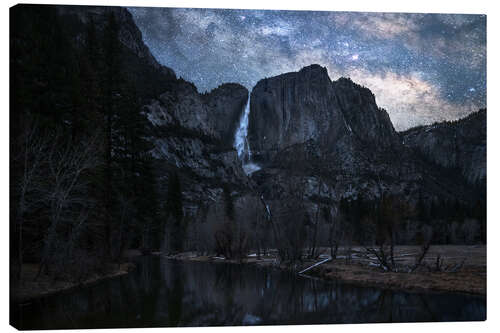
point(422, 68)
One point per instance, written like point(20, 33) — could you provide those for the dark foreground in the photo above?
point(162, 292)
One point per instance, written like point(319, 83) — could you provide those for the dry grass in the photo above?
point(470, 278)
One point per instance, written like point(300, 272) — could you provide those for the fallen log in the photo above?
point(316, 264)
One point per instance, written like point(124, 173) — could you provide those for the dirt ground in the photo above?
point(362, 270)
point(30, 288)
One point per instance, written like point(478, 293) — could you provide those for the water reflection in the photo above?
point(169, 293)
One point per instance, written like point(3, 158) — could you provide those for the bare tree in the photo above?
point(289, 220)
point(335, 232)
point(424, 237)
point(249, 211)
point(391, 210)
point(31, 158)
point(471, 230)
point(313, 253)
point(65, 191)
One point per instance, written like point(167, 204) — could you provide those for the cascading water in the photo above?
point(240, 139)
point(241, 142)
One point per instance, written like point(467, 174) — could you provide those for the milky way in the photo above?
point(422, 68)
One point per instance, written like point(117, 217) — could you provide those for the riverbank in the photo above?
point(362, 270)
point(30, 289)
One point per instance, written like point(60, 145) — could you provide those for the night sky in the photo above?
point(422, 68)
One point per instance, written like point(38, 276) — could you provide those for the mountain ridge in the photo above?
point(351, 142)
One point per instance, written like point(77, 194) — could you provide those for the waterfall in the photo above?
point(241, 139)
point(241, 142)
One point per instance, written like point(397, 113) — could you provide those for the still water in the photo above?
point(163, 292)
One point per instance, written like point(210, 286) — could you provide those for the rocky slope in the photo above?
point(324, 141)
point(192, 132)
point(189, 139)
point(152, 78)
point(300, 106)
point(315, 138)
point(457, 145)
point(369, 123)
point(294, 108)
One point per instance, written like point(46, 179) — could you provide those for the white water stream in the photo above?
point(241, 142)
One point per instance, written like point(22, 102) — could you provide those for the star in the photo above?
point(388, 53)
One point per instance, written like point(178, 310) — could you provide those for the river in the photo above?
point(163, 292)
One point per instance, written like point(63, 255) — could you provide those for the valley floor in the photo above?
point(470, 278)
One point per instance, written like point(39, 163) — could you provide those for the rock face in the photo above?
point(151, 77)
point(226, 103)
point(188, 137)
point(129, 34)
point(294, 108)
point(297, 107)
point(456, 145)
point(329, 140)
point(192, 133)
point(214, 114)
point(369, 123)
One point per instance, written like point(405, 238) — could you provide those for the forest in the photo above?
point(82, 184)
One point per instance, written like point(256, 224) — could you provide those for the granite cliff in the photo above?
point(323, 139)
point(458, 145)
point(306, 105)
point(329, 140)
